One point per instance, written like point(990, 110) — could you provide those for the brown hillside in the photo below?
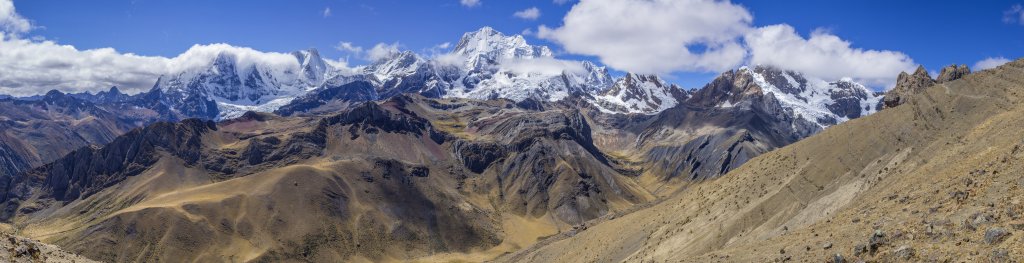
point(939, 178)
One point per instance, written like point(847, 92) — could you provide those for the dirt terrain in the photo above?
point(937, 179)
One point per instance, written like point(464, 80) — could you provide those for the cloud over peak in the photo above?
point(711, 36)
point(824, 55)
point(683, 35)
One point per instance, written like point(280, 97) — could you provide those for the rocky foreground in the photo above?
point(16, 249)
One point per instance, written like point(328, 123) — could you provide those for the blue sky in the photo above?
point(933, 33)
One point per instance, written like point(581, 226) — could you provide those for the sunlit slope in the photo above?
point(937, 178)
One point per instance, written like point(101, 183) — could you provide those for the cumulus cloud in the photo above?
point(348, 47)
point(377, 52)
point(10, 21)
point(531, 13)
point(542, 66)
point(989, 63)
point(469, 3)
point(711, 36)
point(824, 55)
point(1014, 15)
point(671, 35)
point(29, 67)
point(381, 50)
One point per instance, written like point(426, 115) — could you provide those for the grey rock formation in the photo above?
point(906, 86)
point(952, 72)
point(909, 84)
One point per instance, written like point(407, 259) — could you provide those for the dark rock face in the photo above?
point(35, 132)
point(906, 86)
point(478, 156)
point(88, 170)
point(358, 91)
point(847, 100)
point(748, 131)
point(708, 156)
point(729, 86)
point(952, 72)
point(371, 118)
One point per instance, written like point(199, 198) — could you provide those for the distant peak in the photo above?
point(54, 92)
point(921, 71)
point(953, 72)
point(486, 30)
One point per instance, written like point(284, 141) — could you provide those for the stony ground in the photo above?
point(16, 249)
point(940, 179)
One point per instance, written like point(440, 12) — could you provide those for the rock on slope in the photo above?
point(935, 179)
point(15, 249)
point(33, 133)
point(909, 84)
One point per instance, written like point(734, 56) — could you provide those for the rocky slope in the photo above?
point(33, 133)
point(909, 84)
point(15, 249)
point(933, 179)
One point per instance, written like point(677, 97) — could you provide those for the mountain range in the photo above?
point(495, 150)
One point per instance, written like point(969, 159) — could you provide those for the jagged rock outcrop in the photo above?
point(36, 132)
point(635, 93)
point(909, 84)
point(952, 72)
point(88, 170)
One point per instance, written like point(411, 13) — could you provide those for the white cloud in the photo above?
point(444, 45)
point(543, 65)
point(1014, 15)
point(348, 47)
point(825, 56)
point(381, 50)
point(562, 2)
point(378, 51)
point(671, 36)
point(531, 13)
point(33, 67)
point(327, 12)
point(990, 63)
point(10, 21)
point(470, 3)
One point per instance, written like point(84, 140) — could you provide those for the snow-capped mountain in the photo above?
point(821, 102)
point(498, 66)
point(487, 47)
point(636, 93)
point(226, 87)
point(486, 64)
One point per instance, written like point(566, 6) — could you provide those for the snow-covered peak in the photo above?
point(487, 46)
point(313, 67)
point(394, 65)
point(636, 93)
point(822, 102)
